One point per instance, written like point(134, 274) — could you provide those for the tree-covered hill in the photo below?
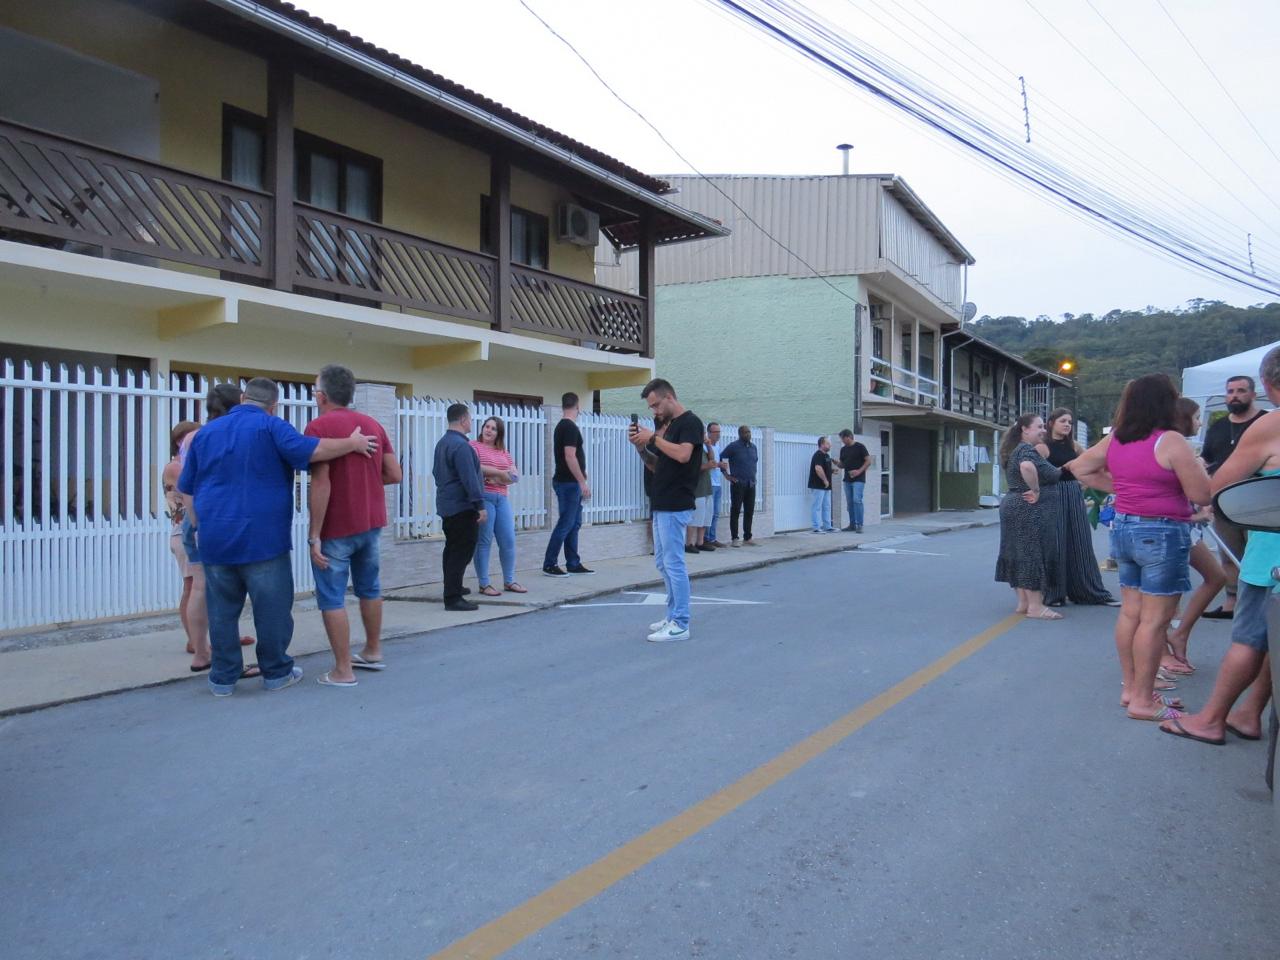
point(1112, 349)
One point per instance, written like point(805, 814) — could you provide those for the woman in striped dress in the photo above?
point(499, 472)
point(1075, 577)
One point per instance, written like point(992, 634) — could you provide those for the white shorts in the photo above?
point(701, 512)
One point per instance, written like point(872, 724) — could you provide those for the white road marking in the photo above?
point(660, 600)
point(913, 553)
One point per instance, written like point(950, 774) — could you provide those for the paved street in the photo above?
point(1004, 809)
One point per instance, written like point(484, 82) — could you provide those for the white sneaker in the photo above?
point(669, 633)
point(655, 627)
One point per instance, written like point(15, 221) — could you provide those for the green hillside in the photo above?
point(1112, 349)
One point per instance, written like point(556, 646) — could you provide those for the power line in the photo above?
point(683, 159)
point(1221, 85)
point(843, 56)
point(1178, 100)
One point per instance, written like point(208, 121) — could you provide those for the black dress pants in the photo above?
point(742, 501)
point(460, 534)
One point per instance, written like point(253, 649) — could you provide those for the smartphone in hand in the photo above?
point(635, 423)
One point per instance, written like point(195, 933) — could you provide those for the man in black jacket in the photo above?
point(459, 501)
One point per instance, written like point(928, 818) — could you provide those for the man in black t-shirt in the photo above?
point(1219, 442)
point(571, 487)
point(855, 460)
point(820, 487)
point(675, 455)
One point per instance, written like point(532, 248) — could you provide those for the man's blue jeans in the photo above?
point(668, 555)
point(716, 494)
point(269, 586)
point(499, 524)
point(820, 509)
point(853, 500)
point(565, 533)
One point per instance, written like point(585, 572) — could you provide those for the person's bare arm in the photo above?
point(391, 472)
point(318, 506)
point(1173, 449)
point(1031, 477)
point(1043, 450)
point(1252, 453)
point(1091, 461)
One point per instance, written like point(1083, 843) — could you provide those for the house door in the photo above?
point(914, 469)
point(886, 473)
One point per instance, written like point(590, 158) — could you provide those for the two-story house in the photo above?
point(232, 188)
point(828, 314)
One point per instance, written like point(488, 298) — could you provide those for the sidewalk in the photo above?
point(53, 667)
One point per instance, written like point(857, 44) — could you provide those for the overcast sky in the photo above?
point(733, 101)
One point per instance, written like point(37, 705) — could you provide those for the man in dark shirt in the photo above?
point(676, 464)
point(855, 460)
point(571, 488)
point(743, 458)
point(820, 487)
point(1219, 442)
point(459, 502)
point(238, 487)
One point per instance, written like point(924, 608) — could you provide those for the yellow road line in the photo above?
point(500, 935)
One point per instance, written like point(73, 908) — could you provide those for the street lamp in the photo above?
point(1066, 368)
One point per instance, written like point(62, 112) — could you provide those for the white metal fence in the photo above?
point(792, 453)
point(421, 422)
point(83, 530)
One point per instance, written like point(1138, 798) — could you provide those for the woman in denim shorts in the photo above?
point(1156, 476)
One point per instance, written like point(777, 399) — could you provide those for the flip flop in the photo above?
point(324, 681)
point(250, 671)
point(1181, 731)
point(488, 590)
point(1164, 713)
point(1242, 736)
point(514, 588)
point(362, 664)
point(202, 669)
point(1045, 614)
point(247, 641)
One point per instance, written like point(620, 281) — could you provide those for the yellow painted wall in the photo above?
point(196, 75)
point(541, 196)
point(63, 322)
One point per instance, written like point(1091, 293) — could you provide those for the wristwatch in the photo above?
point(313, 540)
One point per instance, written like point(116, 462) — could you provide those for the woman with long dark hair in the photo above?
point(1212, 576)
point(1077, 578)
point(1028, 532)
point(1156, 476)
point(500, 472)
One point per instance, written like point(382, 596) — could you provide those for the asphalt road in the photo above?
point(1006, 809)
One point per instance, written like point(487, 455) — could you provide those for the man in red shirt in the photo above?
point(348, 512)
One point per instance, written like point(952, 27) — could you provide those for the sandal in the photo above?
point(514, 587)
point(488, 590)
point(1045, 614)
point(1164, 713)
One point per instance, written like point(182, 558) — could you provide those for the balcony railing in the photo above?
point(58, 192)
point(898, 383)
point(983, 407)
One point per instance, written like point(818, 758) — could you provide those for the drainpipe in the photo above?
point(857, 368)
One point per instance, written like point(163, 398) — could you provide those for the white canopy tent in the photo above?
point(1207, 381)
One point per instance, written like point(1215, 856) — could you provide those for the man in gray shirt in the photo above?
point(743, 458)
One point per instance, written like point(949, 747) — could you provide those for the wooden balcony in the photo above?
point(983, 407)
point(61, 193)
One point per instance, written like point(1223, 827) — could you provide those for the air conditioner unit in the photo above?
point(577, 225)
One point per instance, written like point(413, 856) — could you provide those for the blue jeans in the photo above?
point(668, 556)
point(500, 522)
point(269, 585)
point(820, 509)
point(716, 494)
point(356, 555)
point(853, 500)
point(565, 533)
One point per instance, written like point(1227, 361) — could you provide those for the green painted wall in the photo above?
point(771, 351)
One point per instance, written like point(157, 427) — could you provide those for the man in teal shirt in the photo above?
point(1246, 664)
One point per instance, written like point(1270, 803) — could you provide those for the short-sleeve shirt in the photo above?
point(715, 471)
point(240, 471)
point(674, 483)
point(743, 458)
point(822, 460)
point(567, 434)
point(357, 498)
point(703, 488)
point(853, 457)
point(498, 459)
point(1221, 438)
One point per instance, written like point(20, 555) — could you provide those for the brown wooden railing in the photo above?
point(580, 312)
point(362, 259)
point(68, 194)
point(984, 407)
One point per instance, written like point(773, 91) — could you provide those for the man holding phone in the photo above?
point(676, 460)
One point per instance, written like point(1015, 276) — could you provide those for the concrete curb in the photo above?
point(512, 609)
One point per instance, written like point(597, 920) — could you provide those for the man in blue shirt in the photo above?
point(743, 458)
point(459, 502)
point(237, 483)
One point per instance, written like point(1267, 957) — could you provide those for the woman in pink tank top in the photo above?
point(1155, 475)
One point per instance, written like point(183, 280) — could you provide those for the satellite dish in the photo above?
point(968, 311)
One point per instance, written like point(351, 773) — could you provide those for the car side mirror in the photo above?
point(1253, 504)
